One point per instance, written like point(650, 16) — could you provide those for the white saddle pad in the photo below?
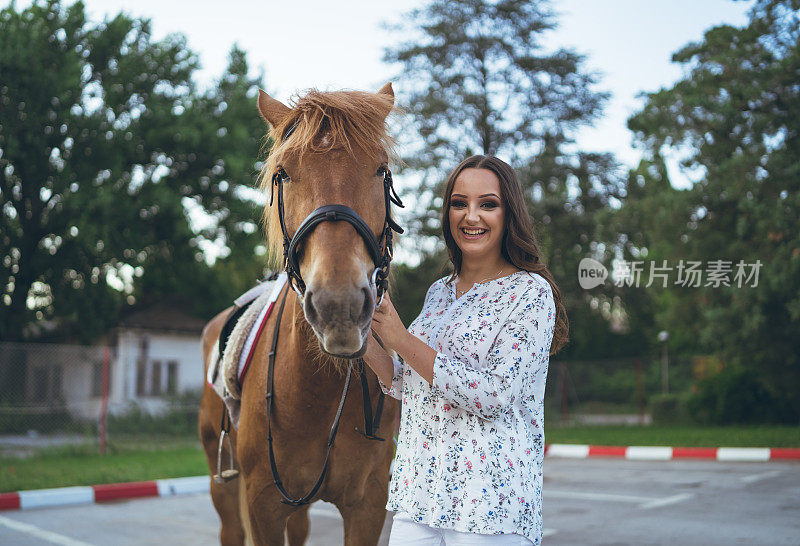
point(225, 375)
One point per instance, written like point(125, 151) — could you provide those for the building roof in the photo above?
point(163, 317)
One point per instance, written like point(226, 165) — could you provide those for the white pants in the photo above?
point(407, 531)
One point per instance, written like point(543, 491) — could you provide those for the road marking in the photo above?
point(596, 496)
point(40, 533)
point(644, 502)
point(753, 478)
point(660, 503)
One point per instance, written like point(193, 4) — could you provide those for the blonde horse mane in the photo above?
point(350, 120)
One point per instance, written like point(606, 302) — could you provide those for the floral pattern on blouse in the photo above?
point(471, 445)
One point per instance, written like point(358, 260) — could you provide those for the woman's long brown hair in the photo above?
point(519, 240)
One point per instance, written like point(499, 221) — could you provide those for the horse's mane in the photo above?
point(349, 120)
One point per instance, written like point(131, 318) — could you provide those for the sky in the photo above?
point(335, 45)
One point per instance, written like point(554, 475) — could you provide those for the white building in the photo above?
point(157, 354)
point(153, 355)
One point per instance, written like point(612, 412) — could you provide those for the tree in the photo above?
point(734, 118)
point(225, 136)
point(104, 143)
point(476, 78)
point(570, 197)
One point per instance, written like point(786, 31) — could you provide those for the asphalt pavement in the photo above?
point(592, 501)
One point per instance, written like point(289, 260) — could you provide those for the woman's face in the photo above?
point(477, 214)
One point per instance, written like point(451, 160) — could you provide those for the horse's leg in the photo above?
point(267, 514)
point(224, 496)
point(226, 500)
point(364, 519)
point(297, 527)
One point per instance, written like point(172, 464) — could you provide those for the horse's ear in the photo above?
point(273, 111)
point(388, 92)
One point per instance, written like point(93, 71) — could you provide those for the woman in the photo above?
point(468, 468)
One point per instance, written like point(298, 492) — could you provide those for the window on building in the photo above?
point(141, 378)
point(172, 377)
point(56, 385)
point(40, 384)
point(155, 385)
point(46, 385)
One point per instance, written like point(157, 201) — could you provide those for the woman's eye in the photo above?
point(458, 204)
point(489, 205)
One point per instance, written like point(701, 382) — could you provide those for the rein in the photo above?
point(371, 424)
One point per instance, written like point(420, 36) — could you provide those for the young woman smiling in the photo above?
point(468, 467)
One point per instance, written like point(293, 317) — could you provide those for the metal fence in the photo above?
point(617, 390)
point(54, 388)
point(49, 388)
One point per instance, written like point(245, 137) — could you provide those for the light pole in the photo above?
point(663, 336)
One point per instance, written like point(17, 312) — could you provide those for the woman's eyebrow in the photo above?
point(479, 197)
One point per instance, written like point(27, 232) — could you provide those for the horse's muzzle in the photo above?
point(340, 318)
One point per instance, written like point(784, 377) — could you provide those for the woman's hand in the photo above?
point(377, 359)
point(387, 325)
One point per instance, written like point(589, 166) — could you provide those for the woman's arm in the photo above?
point(521, 342)
point(388, 369)
point(387, 325)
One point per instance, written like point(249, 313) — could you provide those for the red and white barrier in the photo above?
point(62, 496)
point(659, 453)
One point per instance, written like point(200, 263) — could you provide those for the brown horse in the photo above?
point(332, 148)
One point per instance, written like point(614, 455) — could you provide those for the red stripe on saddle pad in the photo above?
point(255, 343)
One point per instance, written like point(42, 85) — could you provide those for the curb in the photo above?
point(65, 496)
point(658, 453)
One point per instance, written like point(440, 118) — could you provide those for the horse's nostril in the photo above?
point(311, 312)
point(368, 307)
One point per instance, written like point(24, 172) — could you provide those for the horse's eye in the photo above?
point(381, 170)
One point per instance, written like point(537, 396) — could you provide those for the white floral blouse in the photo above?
point(471, 446)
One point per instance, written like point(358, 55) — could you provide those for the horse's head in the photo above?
point(330, 149)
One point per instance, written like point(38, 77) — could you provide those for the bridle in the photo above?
point(380, 250)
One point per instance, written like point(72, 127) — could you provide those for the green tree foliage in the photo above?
point(106, 145)
point(734, 118)
point(476, 78)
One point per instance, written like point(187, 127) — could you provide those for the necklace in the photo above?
point(460, 293)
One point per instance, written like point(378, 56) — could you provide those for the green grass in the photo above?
point(676, 435)
point(126, 460)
